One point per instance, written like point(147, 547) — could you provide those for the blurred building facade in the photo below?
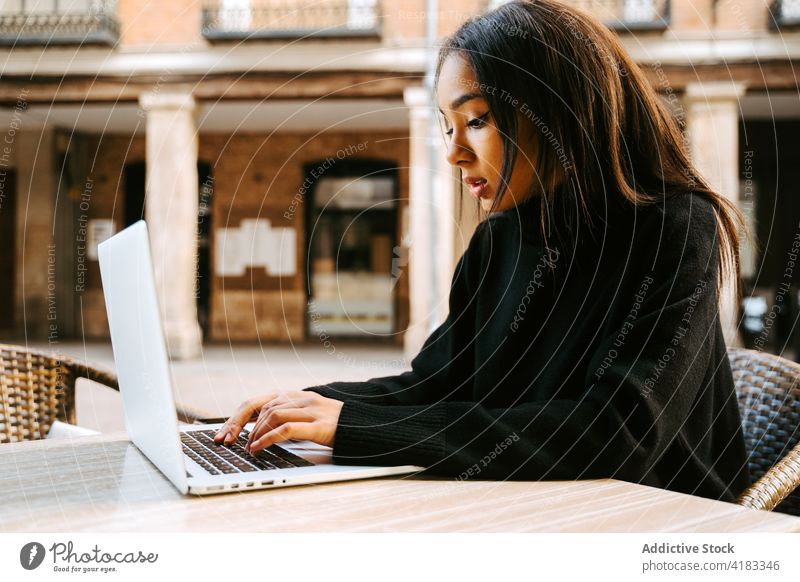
point(284, 158)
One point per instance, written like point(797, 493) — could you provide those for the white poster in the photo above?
point(256, 244)
point(99, 229)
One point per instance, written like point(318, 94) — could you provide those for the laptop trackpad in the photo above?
point(304, 446)
point(311, 451)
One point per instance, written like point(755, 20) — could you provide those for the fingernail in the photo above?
point(228, 439)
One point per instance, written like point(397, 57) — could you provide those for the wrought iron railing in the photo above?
point(26, 22)
point(259, 19)
point(785, 13)
point(631, 15)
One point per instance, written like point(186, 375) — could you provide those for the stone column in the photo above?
point(712, 118)
point(446, 199)
point(171, 213)
point(435, 237)
point(37, 311)
point(420, 214)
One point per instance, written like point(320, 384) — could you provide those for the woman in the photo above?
point(583, 339)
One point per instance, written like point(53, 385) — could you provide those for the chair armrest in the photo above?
point(192, 415)
point(81, 369)
point(186, 413)
point(776, 484)
point(211, 420)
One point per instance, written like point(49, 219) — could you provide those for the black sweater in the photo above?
point(605, 361)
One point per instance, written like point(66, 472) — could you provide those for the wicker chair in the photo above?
point(37, 388)
point(768, 388)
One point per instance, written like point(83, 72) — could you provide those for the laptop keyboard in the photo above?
point(200, 447)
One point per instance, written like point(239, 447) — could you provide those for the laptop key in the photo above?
point(234, 458)
point(211, 457)
point(258, 462)
point(275, 454)
point(275, 460)
point(226, 456)
point(265, 458)
point(200, 461)
point(290, 457)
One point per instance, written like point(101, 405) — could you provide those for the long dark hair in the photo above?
point(601, 125)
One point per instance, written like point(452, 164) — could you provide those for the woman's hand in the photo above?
point(279, 416)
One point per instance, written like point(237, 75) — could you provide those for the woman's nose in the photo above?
point(457, 151)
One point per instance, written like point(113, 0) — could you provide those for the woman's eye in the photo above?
point(478, 121)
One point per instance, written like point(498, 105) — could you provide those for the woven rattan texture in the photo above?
point(768, 389)
point(35, 390)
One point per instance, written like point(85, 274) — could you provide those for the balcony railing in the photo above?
point(49, 22)
point(633, 15)
point(785, 13)
point(264, 19)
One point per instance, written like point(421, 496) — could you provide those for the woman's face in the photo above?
point(475, 145)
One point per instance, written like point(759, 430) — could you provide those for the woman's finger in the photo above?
point(301, 403)
point(279, 403)
point(289, 430)
point(290, 399)
point(272, 419)
point(260, 423)
point(229, 431)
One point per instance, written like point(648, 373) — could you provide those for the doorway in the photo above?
point(769, 151)
point(8, 191)
point(351, 231)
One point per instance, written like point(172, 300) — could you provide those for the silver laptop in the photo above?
point(187, 455)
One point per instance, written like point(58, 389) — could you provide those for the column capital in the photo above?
point(161, 101)
point(417, 97)
point(715, 91)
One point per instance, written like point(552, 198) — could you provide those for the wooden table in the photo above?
point(103, 483)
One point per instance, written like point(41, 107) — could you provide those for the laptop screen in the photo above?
point(140, 351)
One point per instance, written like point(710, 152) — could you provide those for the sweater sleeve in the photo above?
point(440, 369)
point(624, 418)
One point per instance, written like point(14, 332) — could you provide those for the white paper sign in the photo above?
point(256, 244)
point(99, 229)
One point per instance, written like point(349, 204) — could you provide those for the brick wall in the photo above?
point(691, 15)
point(179, 22)
point(403, 21)
point(258, 176)
point(254, 177)
point(110, 154)
point(742, 16)
point(151, 22)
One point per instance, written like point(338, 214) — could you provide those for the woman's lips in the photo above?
point(477, 187)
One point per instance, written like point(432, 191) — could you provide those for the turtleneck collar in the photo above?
point(526, 216)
